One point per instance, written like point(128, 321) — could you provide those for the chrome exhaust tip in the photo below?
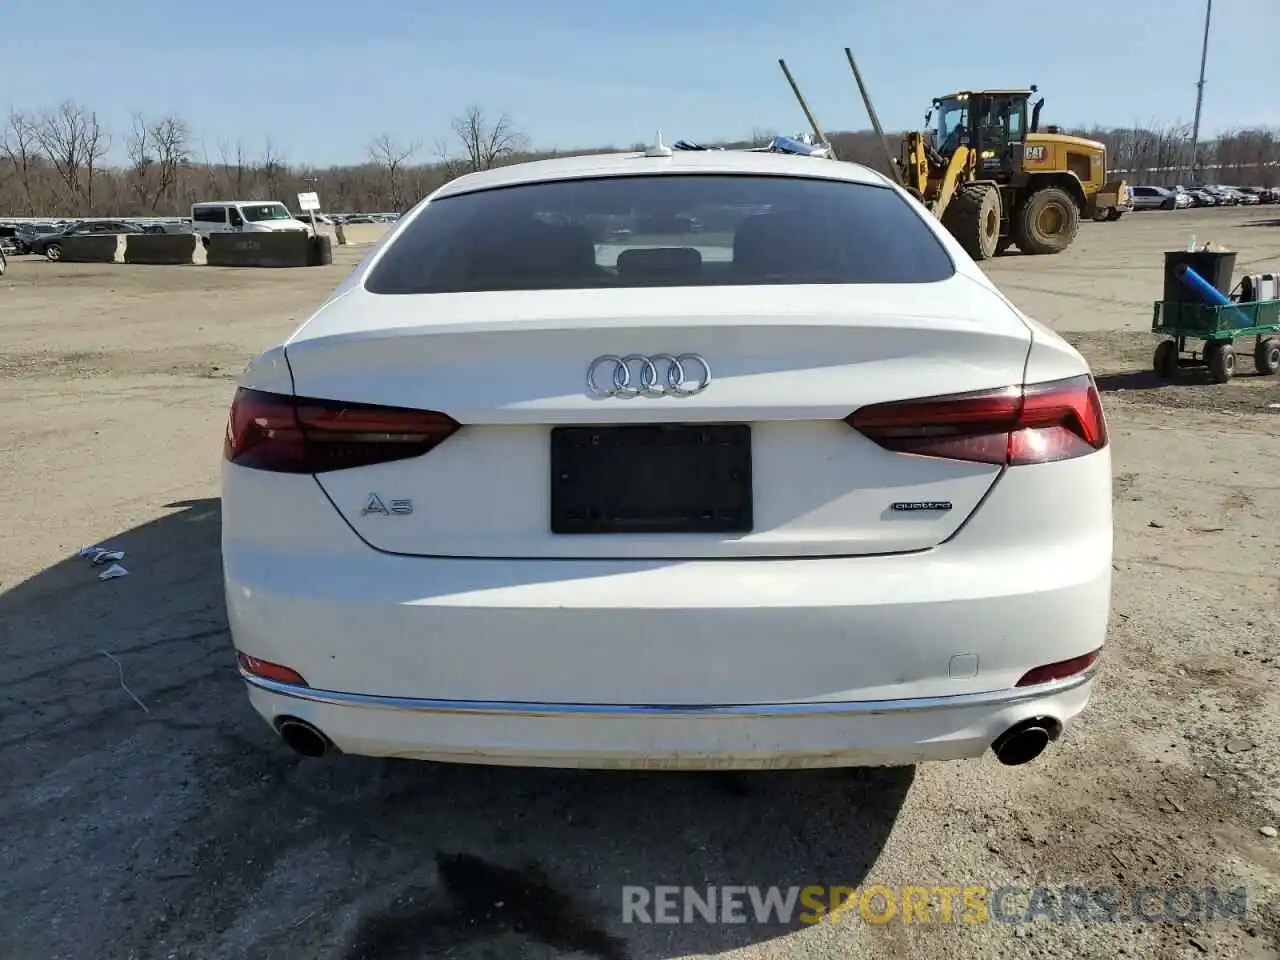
point(302, 738)
point(1025, 741)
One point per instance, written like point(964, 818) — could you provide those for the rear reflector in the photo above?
point(283, 434)
point(1038, 423)
point(1060, 670)
point(269, 671)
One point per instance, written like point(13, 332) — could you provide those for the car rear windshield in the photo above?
point(667, 230)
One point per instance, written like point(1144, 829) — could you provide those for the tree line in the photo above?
point(53, 162)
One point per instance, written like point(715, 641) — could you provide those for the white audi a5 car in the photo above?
point(669, 460)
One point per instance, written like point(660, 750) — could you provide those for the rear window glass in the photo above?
point(669, 230)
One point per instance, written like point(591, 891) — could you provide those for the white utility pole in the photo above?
point(1204, 55)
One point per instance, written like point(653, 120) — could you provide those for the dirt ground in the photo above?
point(174, 825)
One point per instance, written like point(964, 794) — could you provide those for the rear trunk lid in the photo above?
point(789, 363)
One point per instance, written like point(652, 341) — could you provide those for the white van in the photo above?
point(244, 216)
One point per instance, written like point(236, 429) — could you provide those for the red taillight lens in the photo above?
point(1038, 423)
point(271, 431)
point(269, 671)
point(1060, 670)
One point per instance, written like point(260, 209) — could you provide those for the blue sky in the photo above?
point(323, 77)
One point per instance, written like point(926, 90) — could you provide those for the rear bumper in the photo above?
point(758, 736)
point(678, 663)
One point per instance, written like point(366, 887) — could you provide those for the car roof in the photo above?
point(993, 92)
point(679, 162)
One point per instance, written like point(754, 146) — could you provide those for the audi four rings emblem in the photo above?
point(660, 375)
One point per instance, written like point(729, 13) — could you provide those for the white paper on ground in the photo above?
point(113, 571)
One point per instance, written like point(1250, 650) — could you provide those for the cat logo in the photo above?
point(375, 505)
point(1035, 152)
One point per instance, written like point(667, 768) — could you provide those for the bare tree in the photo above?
point(20, 144)
point(170, 138)
point(97, 143)
point(272, 167)
point(235, 168)
point(136, 144)
point(391, 156)
point(63, 134)
point(484, 145)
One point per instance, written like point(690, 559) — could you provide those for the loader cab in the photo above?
point(992, 123)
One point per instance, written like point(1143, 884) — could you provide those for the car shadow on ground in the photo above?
point(1149, 380)
point(147, 811)
point(1263, 223)
point(1140, 380)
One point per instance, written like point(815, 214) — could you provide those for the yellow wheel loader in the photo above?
point(988, 172)
point(995, 179)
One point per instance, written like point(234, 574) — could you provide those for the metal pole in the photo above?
point(875, 120)
point(1204, 56)
point(808, 114)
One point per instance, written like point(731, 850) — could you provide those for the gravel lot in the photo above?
point(176, 826)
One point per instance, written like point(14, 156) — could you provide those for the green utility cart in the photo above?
point(1217, 327)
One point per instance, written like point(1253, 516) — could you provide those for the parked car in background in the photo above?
point(244, 216)
point(50, 244)
point(25, 233)
point(1199, 197)
point(1153, 198)
point(1225, 196)
point(1246, 198)
point(9, 241)
point(1264, 194)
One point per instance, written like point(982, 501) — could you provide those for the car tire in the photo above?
point(53, 252)
point(1036, 231)
point(1170, 204)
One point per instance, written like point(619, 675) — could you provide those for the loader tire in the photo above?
point(973, 218)
point(1047, 222)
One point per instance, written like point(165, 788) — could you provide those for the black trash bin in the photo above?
point(320, 251)
point(1217, 268)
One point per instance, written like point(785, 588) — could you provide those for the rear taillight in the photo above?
point(270, 431)
point(1038, 423)
point(1060, 670)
